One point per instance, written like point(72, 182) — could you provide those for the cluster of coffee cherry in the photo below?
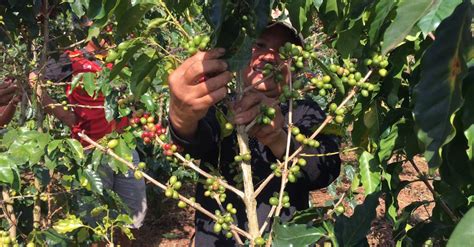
point(267, 114)
point(125, 101)
point(339, 113)
point(285, 200)
point(199, 42)
point(214, 188)
point(378, 61)
point(301, 138)
point(148, 128)
point(225, 220)
point(7, 241)
point(322, 83)
point(138, 171)
point(297, 54)
point(173, 186)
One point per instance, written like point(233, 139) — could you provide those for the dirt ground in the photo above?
point(174, 226)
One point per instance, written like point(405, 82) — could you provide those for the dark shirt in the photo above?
point(318, 173)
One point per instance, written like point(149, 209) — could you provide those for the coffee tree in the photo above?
point(398, 74)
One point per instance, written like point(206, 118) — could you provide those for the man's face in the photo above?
point(265, 50)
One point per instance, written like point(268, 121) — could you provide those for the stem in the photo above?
point(236, 236)
point(331, 211)
point(75, 105)
point(195, 205)
point(267, 220)
point(193, 166)
point(8, 212)
point(174, 21)
point(249, 198)
point(284, 177)
point(443, 204)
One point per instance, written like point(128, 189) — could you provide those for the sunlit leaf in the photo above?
point(438, 94)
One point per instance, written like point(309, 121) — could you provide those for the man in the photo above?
point(194, 126)
point(10, 95)
point(94, 124)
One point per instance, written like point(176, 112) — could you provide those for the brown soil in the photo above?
point(174, 226)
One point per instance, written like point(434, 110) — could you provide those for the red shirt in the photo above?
point(91, 121)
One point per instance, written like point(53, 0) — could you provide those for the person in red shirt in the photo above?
point(93, 123)
point(9, 98)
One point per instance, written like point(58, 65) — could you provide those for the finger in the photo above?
point(265, 131)
point(247, 116)
point(255, 129)
point(206, 67)
point(4, 85)
point(213, 84)
point(205, 55)
point(212, 97)
point(249, 100)
point(8, 90)
point(201, 56)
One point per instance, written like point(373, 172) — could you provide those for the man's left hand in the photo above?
point(248, 108)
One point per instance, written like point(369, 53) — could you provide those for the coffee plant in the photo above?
point(395, 79)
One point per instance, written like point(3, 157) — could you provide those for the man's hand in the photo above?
point(195, 86)
point(8, 90)
point(272, 134)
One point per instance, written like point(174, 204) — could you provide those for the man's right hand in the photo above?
point(191, 96)
point(8, 89)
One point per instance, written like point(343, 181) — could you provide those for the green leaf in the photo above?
point(369, 172)
point(387, 142)
point(76, 7)
point(440, 10)
point(469, 133)
point(335, 80)
point(53, 145)
point(133, 16)
point(76, 149)
point(438, 94)
point(134, 46)
point(295, 234)
point(352, 231)
point(123, 151)
point(307, 215)
point(349, 40)
point(463, 234)
point(125, 219)
point(94, 180)
point(149, 102)
point(75, 80)
point(468, 114)
point(52, 238)
point(408, 14)
point(6, 172)
point(144, 71)
point(9, 137)
point(69, 224)
point(299, 11)
point(88, 82)
point(141, 68)
point(96, 159)
point(382, 9)
point(96, 10)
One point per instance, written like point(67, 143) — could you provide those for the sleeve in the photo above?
point(204, 141)
point(320, 171)
point(59, 70)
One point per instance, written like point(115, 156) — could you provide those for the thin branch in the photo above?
point(249, 199)
point(267, 220)
point(75, 105)
point(234, 233)
point(193, 166)
point(443, 204)
point(130, 165)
